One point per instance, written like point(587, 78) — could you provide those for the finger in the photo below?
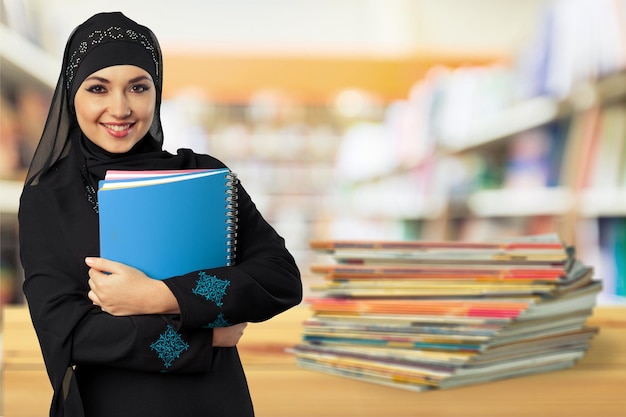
point(93, 297)
point(96, 277)
point(95, 300)
point(103, 265)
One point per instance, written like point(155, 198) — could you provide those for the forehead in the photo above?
point(121, 73)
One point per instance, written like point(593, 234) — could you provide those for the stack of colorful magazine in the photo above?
point(423, 315)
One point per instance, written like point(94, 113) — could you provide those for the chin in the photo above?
point(119, 148)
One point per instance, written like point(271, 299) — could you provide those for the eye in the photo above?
point(96, 89)
point(139, 88)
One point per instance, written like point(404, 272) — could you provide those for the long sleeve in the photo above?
point(55, 236)
point(265, 280)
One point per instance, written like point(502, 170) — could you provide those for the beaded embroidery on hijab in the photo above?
point(115, 46)
point(103, 40)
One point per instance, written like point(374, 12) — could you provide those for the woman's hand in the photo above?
point(228, 336)
point(122, 290)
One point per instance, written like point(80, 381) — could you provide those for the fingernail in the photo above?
point(89, 261)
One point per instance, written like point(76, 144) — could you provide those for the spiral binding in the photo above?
point(232, 213)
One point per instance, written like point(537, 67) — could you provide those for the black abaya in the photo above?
point(152, 365)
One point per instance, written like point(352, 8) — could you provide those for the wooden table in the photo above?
point(595, 387)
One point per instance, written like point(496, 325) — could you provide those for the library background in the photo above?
point(462, 120)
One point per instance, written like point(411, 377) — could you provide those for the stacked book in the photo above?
point(423, 315)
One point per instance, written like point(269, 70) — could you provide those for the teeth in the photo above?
point(117, 128)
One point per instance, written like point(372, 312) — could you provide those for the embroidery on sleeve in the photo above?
point(220, 321)
point(211, 288)
point(169, 346)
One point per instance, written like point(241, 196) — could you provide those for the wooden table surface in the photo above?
point(595, 387)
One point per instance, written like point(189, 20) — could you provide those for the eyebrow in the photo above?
point(106, 81)
point(140, 78)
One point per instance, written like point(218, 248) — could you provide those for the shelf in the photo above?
point(606, 202)
point(540, 111)
point(10, 192)
point(610, 88)
point(520, 117)
point(553, 201)
point(523, 202)
point(603, 202)
point(392, 205)
point(495, 130)
point(25, 63)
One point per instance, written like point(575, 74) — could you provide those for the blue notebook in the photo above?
point(168, 223)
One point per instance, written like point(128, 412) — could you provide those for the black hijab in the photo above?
point(105, 39)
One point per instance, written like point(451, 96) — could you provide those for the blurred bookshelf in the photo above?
point(490, 151)
point(561, 169)
point(434, 145)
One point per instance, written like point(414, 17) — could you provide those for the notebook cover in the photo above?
point(167, 229)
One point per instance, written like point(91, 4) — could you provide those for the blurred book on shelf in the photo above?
point(566, 53)
point(424, 315)
point(613, 252)
point(535, 157)
point(608, 158)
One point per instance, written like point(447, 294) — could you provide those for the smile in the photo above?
point(117, 128)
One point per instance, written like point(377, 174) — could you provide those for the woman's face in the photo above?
point(115, 106)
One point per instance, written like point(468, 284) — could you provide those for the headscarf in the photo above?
point(105, 39)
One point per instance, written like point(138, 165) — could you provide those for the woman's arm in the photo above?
point(71, 330)
point(110, 291)
point(265, 280)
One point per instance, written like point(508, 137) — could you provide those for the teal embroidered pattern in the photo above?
point(220, 321)
point(169, 346)
point(211, 288)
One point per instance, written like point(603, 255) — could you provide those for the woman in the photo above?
point(116, 342)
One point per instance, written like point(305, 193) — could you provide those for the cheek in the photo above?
point(149, 115)
point(146, 110)
point(86, 111)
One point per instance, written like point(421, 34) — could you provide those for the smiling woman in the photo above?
point(115, 107)
point(116, 342)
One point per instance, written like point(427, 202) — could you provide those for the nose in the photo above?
point(119, 106)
